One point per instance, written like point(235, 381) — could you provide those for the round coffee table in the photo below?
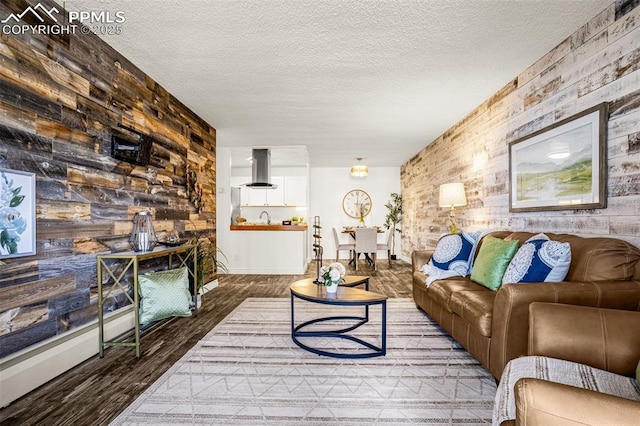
point(346, 295)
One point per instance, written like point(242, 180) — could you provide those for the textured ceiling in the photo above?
point(345, 78)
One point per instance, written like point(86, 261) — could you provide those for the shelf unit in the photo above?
point(177, 257)
point(317, 247)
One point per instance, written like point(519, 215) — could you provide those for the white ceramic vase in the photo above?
point(332, 288)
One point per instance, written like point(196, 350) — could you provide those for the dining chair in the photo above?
point(387, 246)
point(366, 242)
point(342, 246)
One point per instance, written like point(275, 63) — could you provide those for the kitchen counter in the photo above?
point(265, 227)
point(258, 248)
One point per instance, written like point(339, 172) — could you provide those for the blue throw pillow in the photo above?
point(539, 260)
point(454, 252)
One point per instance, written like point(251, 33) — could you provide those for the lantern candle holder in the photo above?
point(143, 237)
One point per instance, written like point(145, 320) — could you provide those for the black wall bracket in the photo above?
point(130, 145)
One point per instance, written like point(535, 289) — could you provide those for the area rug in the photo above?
point(248, 371)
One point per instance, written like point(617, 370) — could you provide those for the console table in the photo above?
point(177, 257)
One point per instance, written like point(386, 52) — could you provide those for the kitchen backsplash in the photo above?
point(278, 214)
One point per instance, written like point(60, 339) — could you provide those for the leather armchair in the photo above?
point(607, 339)
point(566, 345)
point(540, 402)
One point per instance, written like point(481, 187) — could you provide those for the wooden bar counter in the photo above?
point(265, 227)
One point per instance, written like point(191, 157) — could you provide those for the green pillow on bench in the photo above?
point(164, 294)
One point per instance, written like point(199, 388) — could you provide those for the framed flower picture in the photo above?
point(17, 213)
point(561, 167)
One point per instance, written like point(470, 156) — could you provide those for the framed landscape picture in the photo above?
point(561, 167)
point(17, 213)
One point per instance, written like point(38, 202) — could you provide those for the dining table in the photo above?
point(352, 229)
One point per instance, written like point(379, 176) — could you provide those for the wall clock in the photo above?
point(356, 203)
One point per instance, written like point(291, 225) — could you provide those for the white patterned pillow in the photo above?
point(164, 294)
point(539, 260)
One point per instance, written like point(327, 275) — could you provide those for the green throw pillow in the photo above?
point(164, 294)
point(492, 261)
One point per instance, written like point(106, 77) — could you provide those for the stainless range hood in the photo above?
point(261, 170)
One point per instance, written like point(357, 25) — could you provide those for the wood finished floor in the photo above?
point(96, 391)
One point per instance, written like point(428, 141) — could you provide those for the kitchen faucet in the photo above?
point(268, 216)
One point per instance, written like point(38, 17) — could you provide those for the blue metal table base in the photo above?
point(297, 331)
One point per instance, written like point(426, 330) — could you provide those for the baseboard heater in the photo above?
point(29, 369)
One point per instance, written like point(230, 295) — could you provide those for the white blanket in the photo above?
point(434, 273)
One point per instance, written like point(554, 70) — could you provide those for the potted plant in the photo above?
point(331, 276)
point(393, 218)
point(209, 262)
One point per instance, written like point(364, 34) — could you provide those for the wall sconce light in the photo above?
point(452, 195)
point(143, 237)
point(480, 160)
point(359, 170)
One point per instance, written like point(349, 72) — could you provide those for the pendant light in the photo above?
point(359, 170)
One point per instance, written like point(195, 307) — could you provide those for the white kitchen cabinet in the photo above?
point(291, 191)
point(275, 197)
point(265, 197)
point(295, 191)
point(256, 196)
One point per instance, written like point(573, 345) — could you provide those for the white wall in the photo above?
point(223, 199)
point(328, 187)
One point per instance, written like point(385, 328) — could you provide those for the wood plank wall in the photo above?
point(60, 99)
point(599, 63)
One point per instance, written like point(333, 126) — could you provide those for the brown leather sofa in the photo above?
point(493, 325)
point(581, 369)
